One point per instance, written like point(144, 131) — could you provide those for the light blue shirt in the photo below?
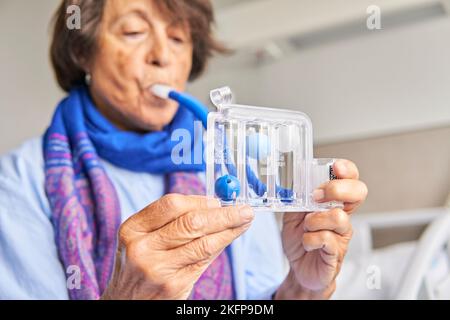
point(29, 264)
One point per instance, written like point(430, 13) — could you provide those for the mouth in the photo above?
point(154, 99)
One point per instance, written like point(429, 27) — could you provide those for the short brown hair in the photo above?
point(70, 47)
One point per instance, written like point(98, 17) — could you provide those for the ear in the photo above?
point(85, 65)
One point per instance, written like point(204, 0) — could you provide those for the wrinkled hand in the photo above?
point(316, 243)
point(165, 248)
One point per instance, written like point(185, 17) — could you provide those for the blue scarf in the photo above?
point(150, 152)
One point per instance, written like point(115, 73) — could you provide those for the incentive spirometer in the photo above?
point(259, 156)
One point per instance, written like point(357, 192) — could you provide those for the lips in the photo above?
point(166, 83)
point(157, 101)
point(154, 100)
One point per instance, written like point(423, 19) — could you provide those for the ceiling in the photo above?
point(221, 4)
point(263, 30)
point(254, 22)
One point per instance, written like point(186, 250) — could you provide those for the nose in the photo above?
point(159, 55)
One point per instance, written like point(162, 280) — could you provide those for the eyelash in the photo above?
point(135, 34)
point(132, 33)
point(177, 40)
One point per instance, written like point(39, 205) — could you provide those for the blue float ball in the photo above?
point(258, 146)
point(227, 188)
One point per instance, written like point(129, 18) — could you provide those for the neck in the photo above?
point(116, 118)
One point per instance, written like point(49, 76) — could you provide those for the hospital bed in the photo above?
point(417, 269)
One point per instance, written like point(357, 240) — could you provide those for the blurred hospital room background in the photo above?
point(379, 97)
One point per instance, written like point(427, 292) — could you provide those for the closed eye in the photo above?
point(178, 40)
point(134, 34)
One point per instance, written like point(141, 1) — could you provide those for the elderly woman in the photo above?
point(96, 208)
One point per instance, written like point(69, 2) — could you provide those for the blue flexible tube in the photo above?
point(191, 103)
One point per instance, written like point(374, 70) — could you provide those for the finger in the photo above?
point(351, 207)
point(335, 220)
point(294, 217)
point(347, 191)
point(345, 169)
point(194, 271)
point(323, 240)
point(167, 209)
point(202, 251)
point(197, 224)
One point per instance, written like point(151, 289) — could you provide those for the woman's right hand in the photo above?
point(164, 249)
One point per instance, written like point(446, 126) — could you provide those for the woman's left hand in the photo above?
point(316, 243)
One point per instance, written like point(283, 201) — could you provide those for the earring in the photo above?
point(88, 78)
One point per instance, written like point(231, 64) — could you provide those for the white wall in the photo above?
point(390, 81)
point(28, 93)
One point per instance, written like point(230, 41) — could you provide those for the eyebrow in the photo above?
point(174, 22)
point(134, 12)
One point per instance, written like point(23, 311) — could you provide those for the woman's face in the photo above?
point(137, 47)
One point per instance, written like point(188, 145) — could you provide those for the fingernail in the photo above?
point(247, 213)
point(213, 203)
point(319, 194)
point(341, 168)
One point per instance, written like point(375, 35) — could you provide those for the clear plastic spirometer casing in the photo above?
point(269, 152)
